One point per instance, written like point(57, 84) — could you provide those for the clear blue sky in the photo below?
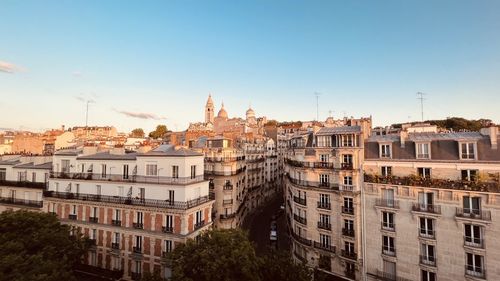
point(164, 57)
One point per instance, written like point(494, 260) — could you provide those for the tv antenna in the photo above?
point(421, 98)
point(317, 105)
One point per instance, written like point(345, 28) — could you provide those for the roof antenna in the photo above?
point(317, 105)
point(421, 98)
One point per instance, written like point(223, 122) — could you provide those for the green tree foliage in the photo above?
point(159, 132)
point(278, 266)
point(36, 247)
point(228, 255)
point(137, 133)
point(457, 124)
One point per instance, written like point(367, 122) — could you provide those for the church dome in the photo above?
point(222, 112)
point(250, 113)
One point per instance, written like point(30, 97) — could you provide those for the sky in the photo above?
point(143, 63)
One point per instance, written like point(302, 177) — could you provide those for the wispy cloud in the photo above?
point(9, 67)
point(140, 115)
point(76, 74)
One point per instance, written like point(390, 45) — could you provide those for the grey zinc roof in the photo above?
point(108, 156)
point(170, 150)
point(10, 162)
point(339, 130)
point(445, 136)
point(72, 152)
point(382, 138)
point(30, 165)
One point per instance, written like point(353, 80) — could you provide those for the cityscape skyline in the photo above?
point(145, 64)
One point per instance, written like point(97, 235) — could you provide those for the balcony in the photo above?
point(349, 210)
point(426, 208)
point(385, 276)
point(129, 179)
point(324, 225)
point(27, 184)
point(129, 200)
point(93, 219)
point(427, 233)
point(324, 205)
point(227, 187)
point(211, 195)
point(301, 240)
point(346, 187)
point(300, 219)
point(21, 202)
point(322, 165)
point(224, 159)
point(474, 242)
point(224, 173)
point(116, 222)
point(388, 226)
point(428, 260)
point(387, 203)
point(388, 251)
point(437, 183)
point(314, 184)
point(348, 232)
point(346, 166)
point(72, 217)
point(299, 257)
point(256, 160)
point(301, 201)
point(137, 250)
point(138, 225)
point(349, 255)
point(475, 271)
point(115, 246)
point(199, 224)
point(324, 247)
point(473, 214)
point(227, 201)
point(167, 229)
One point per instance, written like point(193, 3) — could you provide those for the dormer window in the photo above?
point(467, 151)
point(423, 150)
point(385, 151)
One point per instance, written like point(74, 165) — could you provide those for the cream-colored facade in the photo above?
point(431, 206)
point(322, 193)
point(135, 207)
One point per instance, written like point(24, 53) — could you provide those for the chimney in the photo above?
point(492, 132)
point(89, 149)
point(403, 135)
point(144, 148)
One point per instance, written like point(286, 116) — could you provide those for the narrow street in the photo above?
point(258, 225)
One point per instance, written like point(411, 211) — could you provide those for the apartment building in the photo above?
point(135, 206)
point(22, 181)
point(431, 206)
point(323, 203)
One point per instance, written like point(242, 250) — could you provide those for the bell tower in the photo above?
point(209, 110)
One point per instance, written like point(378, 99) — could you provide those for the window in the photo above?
point(171, 196)
point(388, 246)
point(423, 150)
point(117, 264)
point(323, 157)
point(388, 220)
point(118, 215)
point(151, 170)
point(349, 224)
point(325, 240)
point(168, 246)
point(347, 140)
point(21, 176)
point(199, 217)
point(95, 212)
point(116, 238)
point(349, 247)
point(474, 265)
point(93, 258)
point(424, 173)
point(428, 255)
point(425, 199)
point(125, 172)
point(193, 171)
point(73, 209)
point(426, 227)
point(103, 170)
point(324, 179)
point(347, 158)
point(93, 234)
point(385, 151)
point(138, 267)
point(138, 244)
point(139, 217)
point(65, 166)
point(98, 190)
point(348, 203)
point(324, 219)
point(428, 276)
point(473, 235)
point(33, 177)
point(175, 172)
point(324, 141)
point(472, 205)
point(467, 150)
point(3, 174)
point(390, 269)
point(348, 180)
point(169, 223)
point(386, 171)
point(324, 199)
point(469, 175)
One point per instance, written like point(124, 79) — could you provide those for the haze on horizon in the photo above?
point(145, 63)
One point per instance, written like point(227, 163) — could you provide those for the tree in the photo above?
point(278, 266)
point(137, 133)
point(36, 246)
point(159, 132)
point(223, 255)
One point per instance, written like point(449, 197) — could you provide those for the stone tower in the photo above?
point(209, 110)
